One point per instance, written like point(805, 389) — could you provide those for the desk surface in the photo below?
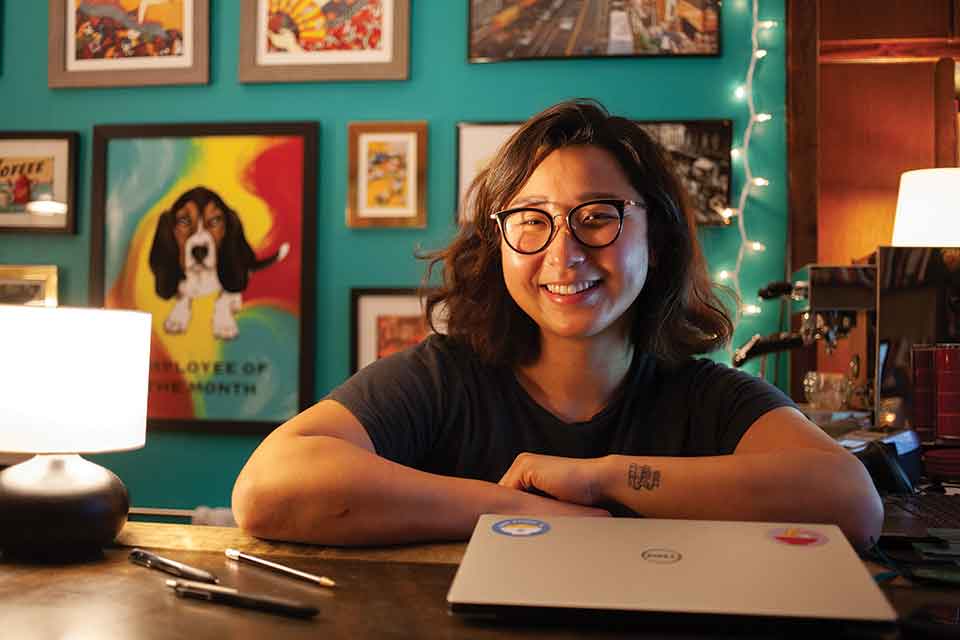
point(383, 592)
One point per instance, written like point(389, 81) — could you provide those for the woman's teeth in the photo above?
point(570, 289)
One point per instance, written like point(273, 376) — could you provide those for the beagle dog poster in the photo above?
point(206, 228)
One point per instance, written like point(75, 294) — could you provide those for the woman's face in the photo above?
point(570, 290)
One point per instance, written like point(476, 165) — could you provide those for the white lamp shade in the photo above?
point(73, 380)
point(928, 209)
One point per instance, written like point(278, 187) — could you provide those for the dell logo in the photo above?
point(661, 556)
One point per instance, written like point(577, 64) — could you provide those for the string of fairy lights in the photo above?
point(751, 182)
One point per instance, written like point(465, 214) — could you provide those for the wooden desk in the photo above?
point(397, 592)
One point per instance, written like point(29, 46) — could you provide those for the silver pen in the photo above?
point(323, 581)
point(153, 561)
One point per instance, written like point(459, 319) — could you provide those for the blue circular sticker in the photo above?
point(521, 527)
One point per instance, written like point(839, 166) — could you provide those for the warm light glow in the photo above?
point(757, 246)
point(723, 275)
point(763, 117)
point(73, 380)
point(767, 24)
point(727, 213)
point(750, 310)
point(760, 182)
point(928, 209)
point(735, 153)
point(46, 207)
point(761, 54)
point(740, 92)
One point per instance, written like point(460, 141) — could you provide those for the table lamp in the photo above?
point(928, 209)
point(72, 381)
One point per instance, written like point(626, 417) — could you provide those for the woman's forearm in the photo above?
point(804, 485)
point(324, 490)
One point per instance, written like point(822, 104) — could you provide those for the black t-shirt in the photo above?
point(438, 408)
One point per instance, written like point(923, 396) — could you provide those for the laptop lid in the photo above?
point(802, 571)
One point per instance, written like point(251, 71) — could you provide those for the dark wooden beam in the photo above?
point(884, 50)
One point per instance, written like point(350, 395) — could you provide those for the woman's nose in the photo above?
point(564, 249)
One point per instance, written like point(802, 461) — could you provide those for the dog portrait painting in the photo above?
point(208, 227)
point(199, 249)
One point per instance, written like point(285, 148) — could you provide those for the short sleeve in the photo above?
point(400, 400)
point(731, 400)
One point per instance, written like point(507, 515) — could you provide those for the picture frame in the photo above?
point(100, 44)
point(386, 320)
point(387, 174)
point(211, 228)
point(700, 150)
point(328, 41)
point(477, 143)
point(34, 285)
point(37, 181)
point(503, 30)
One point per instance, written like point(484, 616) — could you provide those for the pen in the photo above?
point(153, 561)
point(323, 581)
point(232, 597)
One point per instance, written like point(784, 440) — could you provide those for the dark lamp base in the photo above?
point(59, 507)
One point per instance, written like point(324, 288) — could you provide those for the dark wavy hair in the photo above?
point(678, 312)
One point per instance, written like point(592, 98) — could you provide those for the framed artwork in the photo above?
point(211, 229)
point(384, 321)
point(700, 150)
point(524, 29)
point(125, 43)
point(32, 285)
point(37, 188)
point(477, 143)
point(387, 174)
point(322, 40)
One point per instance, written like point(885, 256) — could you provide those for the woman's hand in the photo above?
point(575, 480)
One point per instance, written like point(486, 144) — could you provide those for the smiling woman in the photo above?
point(565, 382)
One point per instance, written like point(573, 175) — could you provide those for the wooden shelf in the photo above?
point(888, 50)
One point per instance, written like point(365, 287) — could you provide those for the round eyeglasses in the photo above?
point(595, 224)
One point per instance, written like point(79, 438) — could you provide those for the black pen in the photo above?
point(153, 561)
point(232, 597)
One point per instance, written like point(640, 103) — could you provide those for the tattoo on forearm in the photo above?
point(644, 477)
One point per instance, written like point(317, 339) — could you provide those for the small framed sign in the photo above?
point(37, 188)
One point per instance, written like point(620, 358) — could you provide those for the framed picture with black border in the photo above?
point(386, 320)
point(211, 229)
point(700, 150)
point(502, 30)
point(37, 184)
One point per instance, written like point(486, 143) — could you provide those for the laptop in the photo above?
point(517, 565)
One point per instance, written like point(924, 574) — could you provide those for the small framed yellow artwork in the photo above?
point(387, 174)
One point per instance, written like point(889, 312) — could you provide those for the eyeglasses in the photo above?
point(595, 224)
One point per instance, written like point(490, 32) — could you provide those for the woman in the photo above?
point(565, 384)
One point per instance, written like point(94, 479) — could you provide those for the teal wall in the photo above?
point(185, 469)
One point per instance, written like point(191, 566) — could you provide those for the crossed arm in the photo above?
point(318, 479)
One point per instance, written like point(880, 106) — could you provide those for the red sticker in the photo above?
point(797, 537)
